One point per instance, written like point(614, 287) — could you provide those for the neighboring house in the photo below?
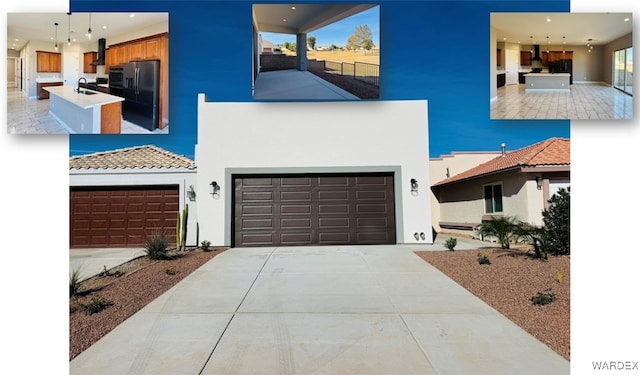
point(446, 166)
point(313, 173)
point(118, 198)
point(268, 47)
point(517, 183)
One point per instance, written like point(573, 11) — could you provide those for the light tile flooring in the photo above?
point(31, 116)
point(585, 101)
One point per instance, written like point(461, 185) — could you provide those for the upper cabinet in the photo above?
point(499, 57)
point(88, 59)
point(149, 48)
point(49, 62)
point(525, 58)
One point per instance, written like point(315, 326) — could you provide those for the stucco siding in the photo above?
point(313, 137)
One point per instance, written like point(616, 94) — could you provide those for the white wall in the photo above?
point(313, 137)
point(137, 177)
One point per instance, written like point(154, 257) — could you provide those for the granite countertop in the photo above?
point(69, 94)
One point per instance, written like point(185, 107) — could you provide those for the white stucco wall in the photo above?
point(138, 177)
point(313, 137)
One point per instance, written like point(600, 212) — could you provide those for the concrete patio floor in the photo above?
point(320, 310)
point(297, 85)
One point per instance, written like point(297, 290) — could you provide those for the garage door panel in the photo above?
point(313, 209)
point(121, 216)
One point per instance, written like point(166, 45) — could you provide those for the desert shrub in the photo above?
point(543, 298)
point(483, 259)
point(501, 227)
point(74, 282)
point(533, 235)
point(170, 271)
point(94, 306)
point(450, 243)
point(204, 245)
point(556, 224)
point(157, 245)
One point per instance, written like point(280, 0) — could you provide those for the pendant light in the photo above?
point(56, 45)
point(69, 29)
point(563, 44)
point(89, 31)
point(548, 44)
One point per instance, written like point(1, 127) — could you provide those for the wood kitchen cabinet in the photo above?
point(42, 93)
point(48, 62)
point(88, 58)
point(525, 58)
point(502, 79)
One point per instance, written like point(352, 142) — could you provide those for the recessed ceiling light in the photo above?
point(284, 20)
point(627, 19)
point(548, 19)
point(293, 8)
point(132, 15)
point(104, 27)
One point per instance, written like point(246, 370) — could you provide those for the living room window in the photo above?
point(493, 198)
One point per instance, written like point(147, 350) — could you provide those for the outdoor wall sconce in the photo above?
point(423, 236)
point(214, 189)
point(414, 185)
point(191, 193)
point(539, 183)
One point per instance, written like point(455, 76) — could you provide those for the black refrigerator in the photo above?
point(141, 90)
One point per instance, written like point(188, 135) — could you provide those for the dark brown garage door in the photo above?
point(314, 210)
point(121, 216)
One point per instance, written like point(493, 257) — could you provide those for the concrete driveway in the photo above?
point(91, 262)
point(318, 310)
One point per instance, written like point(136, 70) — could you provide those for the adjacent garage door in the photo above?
point(314, 209)
point(121, 216)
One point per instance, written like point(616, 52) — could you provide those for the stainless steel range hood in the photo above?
point(102, 47)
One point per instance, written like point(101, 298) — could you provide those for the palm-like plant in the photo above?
point(500, 227)
point(533, 235)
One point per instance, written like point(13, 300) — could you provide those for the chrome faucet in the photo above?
point(85, 82)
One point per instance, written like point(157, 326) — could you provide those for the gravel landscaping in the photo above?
point(125, 290)
point(509, 283)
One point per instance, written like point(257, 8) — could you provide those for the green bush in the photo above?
point(157, 245)
point(74, 282)
point(483, 259)
point(450, 243)
point(543, 298)
point(501, 227)
point(557, 224)
point(204, 245)
point(96, 305)
point(170, 271)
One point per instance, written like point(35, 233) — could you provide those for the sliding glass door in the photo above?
point(623, 70)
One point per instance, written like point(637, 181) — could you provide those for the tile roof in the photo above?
point(133, 157)
point(553, 151)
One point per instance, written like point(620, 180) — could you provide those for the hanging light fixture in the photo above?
point(89, 31)
point(69, 30)
point(531, 50)
point(548, 44)
point(56, 45)
point(563, 43)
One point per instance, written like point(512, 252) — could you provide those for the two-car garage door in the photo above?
point(314, 209)
point(121, 216)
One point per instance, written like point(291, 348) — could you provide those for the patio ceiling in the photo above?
point(302, 18)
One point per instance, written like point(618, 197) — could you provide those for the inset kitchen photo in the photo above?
point(87, 73)
point(548, 66)
point(316, 51)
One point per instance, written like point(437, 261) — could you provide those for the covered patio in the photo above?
point(294, 84)
point(298, 20)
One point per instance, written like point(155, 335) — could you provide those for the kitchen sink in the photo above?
point(86, 92)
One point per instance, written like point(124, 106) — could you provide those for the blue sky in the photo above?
point(336, 33)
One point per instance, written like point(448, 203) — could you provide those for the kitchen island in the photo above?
point(87, 111)
point(547, 82)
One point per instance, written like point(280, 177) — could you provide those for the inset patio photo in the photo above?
point(548, 66)
point(316, 51)
point(87, 73)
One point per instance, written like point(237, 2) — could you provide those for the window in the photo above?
point(492, 198)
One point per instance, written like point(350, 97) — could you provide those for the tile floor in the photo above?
point(31, 116)
point(585, 101)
